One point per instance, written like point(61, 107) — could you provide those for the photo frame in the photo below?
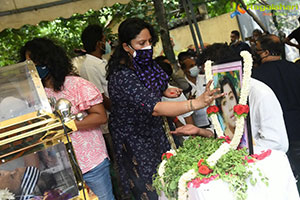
point(228, 77)
point(45, 174)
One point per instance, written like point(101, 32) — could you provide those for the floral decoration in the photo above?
point(167, 155)
point(242, 106)
point(212, 110)
point(213, 116)
point(227, 139)
point(201, 160)
point(195, 183)
point(241, 110)
point(6, 194)
point(182, 183)
point(203, 169)
point(190, 168)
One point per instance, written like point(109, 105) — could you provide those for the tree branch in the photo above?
point(160, 14)
point(255, 18)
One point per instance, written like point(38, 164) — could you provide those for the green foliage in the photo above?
point(216, 8)
point(219, 7)
point(66, 32)
point(231, 167)
point(145, 10)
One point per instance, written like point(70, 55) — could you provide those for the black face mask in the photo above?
point(43, 71)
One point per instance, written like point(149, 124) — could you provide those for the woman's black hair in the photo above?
point(44, 51)
point(128, 30)
point(222, 83)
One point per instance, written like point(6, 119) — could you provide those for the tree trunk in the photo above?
point(262, 26)
point(160, 14)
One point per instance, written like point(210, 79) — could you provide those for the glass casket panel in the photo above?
point(21, 91)
point(45, 174)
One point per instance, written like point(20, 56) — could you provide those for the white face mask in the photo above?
point(107, 48)
point(235, 42)
point(145, 48)
point(194, 71)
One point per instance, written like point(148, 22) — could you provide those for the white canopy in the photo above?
point(16, 13)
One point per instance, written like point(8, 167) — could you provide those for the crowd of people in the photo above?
point(125, 98)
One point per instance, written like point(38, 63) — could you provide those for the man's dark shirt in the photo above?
point(296, 35)
point(283, 78)
point(240, 46)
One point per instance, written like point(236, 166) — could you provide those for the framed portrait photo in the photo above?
point(228, 77)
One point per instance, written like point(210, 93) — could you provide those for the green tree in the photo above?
point(67, 32)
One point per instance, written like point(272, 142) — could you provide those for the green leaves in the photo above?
point(231, 167)
point(67, 31)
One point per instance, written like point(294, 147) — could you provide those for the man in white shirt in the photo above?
point(266, 117)
point(93, 67)
point(267, 123)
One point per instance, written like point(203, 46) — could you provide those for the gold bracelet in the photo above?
point(191, 105)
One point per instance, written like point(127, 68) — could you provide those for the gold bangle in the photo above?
point(191, 105)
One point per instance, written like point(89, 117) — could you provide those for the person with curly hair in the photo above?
point(60, 81)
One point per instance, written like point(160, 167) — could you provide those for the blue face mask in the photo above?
point(194, 71)
point(42, 70)
point(107, 48)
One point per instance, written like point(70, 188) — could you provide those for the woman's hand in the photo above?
point(172, 92)
point(206, 98)
point(190, 129)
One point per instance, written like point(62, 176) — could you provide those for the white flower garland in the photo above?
point(246, 77)
point(239, 125)
point(182, 183)
point(225, 147)
point(213, 117)
point(213, 158)
point(161, 171)
point(172, 151)
point(6, 194)
point(239, 129)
